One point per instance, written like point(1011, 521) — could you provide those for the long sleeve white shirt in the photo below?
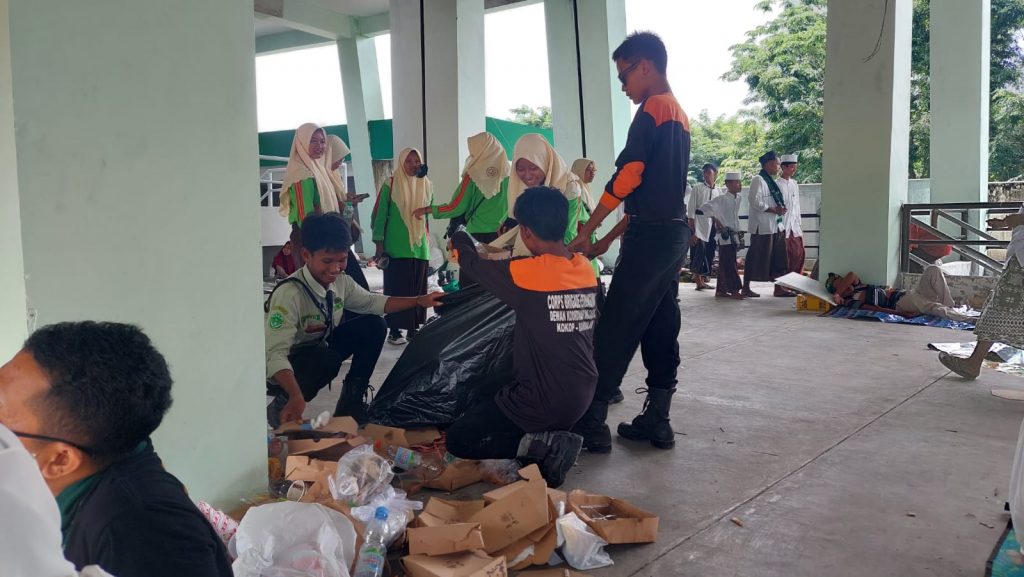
point(701, 194)
point(726, 208)
point(760, 200)
point(791, 196)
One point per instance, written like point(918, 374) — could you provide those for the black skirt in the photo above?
point(406, 277)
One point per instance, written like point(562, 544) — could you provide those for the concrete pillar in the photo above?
point(959, 54)
point(13, 325)
point(360, 80)
point(605, 118)
point(454, 84)
point(137, 171)
point(866, 137)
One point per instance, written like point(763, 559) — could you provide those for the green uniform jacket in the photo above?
point(482, 214)
point(304, 200)
point(389, 227)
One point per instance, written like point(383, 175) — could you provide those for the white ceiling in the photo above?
point(356, 8)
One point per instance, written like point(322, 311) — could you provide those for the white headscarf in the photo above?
point(487, 164)
point(30, 538)
point(336, 150)
point(301, 166)
point(409, 193)
point(579, 168)
point(535, 148)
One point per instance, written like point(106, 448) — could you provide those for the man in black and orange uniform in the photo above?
point(554, 295)
point(642, 307)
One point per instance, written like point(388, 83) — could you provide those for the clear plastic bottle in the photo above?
point(370, 562)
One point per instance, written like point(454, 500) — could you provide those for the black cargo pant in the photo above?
point(315, 367)
point(642, 307)
point(484, 432)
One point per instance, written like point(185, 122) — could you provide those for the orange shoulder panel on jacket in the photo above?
point(549, 273)
point(664, 108)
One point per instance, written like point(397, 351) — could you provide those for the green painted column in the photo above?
point(13, 323)
point(960, 45)
point(137, 177)
point(866, 137)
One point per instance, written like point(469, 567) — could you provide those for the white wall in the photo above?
point(12, 271)
point(111, 97)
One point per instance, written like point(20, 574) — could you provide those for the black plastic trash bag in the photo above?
point(455, 360)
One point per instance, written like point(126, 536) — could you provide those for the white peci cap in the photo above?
point(787, 158)
point(733, 176)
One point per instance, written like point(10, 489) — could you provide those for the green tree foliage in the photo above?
point(539, 117)
point(783, 64)
point(726, 142)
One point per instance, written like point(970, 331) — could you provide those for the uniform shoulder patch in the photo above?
point(276, 320)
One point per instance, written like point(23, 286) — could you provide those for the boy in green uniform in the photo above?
point(304, 347)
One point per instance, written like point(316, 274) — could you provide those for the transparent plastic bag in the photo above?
point(500, 471)
point(582, 548)
point(361, 476)
point(400, 512)
point(289, 539)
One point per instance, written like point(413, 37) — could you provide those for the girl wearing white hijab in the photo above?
point(535, 163)
point(309, 185)
point(402, 237)
point(481, 198)
point(585, 170)
point(337, 150)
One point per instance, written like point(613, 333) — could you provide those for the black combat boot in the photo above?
point(597, 438)
point(554, 452)
point(353, 399)
point(652, 424)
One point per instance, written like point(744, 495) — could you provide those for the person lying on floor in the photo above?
point(931, 296)
point(304, 349)
point(84, 398)
point(554, 295)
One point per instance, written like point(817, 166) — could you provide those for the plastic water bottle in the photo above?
point(373, 552)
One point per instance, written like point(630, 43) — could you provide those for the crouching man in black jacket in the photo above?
point(83, 398)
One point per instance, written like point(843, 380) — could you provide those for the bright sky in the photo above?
point(305, 85)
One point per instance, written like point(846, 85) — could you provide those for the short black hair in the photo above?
point(109, 386)
point(708, 166)
point(543, 210)
point(325, 231)
point(643, 45)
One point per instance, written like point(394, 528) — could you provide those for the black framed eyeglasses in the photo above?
point(625, 73)
point(47, 439)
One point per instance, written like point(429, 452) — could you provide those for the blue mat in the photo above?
point(1006, 560)
point(926, 320)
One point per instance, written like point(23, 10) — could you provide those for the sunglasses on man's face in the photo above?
point(624, 75)
point(46, 439)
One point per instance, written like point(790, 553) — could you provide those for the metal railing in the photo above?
point(958, 225)
point(803, 216)
point(270, 180)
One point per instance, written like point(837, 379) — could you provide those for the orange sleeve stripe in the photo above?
point(458, 198)
point(665, 108)
point(548, 273)
point(610, 202)
point(300, 201)
point(628, 178)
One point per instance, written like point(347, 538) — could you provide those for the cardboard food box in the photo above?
point(516, 515)
point(335, 426)
point(457, 475)
point(468, 564)
point(812, 304)
point(439, 512)
point(401, 437)
point(615, 520)
point(323, 449)
point(445, 539)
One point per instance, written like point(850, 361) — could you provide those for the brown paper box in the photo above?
point(323, 449)
point(457, 475)
point(515, 515)
point(502, 492)
point(452, 511)
point(445, 539)
point(471, 564)
point(401, 437)
point(336, 426)
point(630, 525)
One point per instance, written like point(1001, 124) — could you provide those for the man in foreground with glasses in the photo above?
point(83, 398)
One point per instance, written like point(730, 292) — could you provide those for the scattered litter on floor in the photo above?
point(342, 489)
point(737, 521)
point(924, 320)
point(1002, 358)
point(911, 514)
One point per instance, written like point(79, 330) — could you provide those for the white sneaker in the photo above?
point(396, 339)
